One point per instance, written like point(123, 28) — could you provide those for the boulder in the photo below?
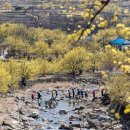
point(50, 120)
point(92, 123)
point(62, 111)
point(34, 115)
point(25, 118)
point(22, 98)
point(78, 125)
point(106, 124)
point(28, 102)
point(44, 119)
point(21, 111)
point(79, 108)
point(104, 118)
point(62, 98)
point(65, 127)
point(117, 127)
point(8, 123)
point(74, 117)
point(50, 127)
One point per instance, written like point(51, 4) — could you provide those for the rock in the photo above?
point(92, 123)
point(50, 127)
point(35, 106)
point(93, 115)
point(16, 100)
point(21, 111)
point(50, 120)
point(62, 98)
point(76, 125)
point(8, 122)
point(15, 122)
point(97, 110)
point(22, 98)
point(117, 127)
point(63, 112)
point(106, 124)
point(26, 119)
point(53, 113)
point(34, 115)
point(44, 119)
point(42, 108)
point(76, 112)
point(45, 111)
point(75, 128)
point(28, 102)
point(48, 93)
point(56, 123)
point(6, 128)
point(32, 128)
point(79, 108)
point(14, 116)
point(104, 118)
point(66, 127)
point(74, 117)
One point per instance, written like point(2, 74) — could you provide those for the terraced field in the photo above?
point(42, 17)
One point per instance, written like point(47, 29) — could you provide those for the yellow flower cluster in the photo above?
point(117, 116)
point(104, 74)
point(127, 109)
point(125, 68)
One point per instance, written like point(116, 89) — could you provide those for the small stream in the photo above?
point(52, 115)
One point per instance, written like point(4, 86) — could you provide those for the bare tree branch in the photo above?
point(105, 3)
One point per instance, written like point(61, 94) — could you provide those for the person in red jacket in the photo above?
point(94, 94)
point(69, 94)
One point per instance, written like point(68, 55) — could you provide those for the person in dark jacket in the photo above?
point(73, 93)
point(52, 93)
point(78, 93)
point(39, 96)
point(102, 92)
point(86, 94)
point(32, 97)
point(94, 95)
point(56, 93)
point(82, 93)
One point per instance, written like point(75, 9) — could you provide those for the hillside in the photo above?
point(36, 13)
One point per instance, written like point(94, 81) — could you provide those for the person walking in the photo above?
point(32, 97)
point(23, 82)
point(56, 93)
point(69, 94)
point(82, 93)
point(73, 93)
point(86, 94)
point(94, 94)
point(39, 96)
point(78, 93)
point(52, 94)
point(102, 92)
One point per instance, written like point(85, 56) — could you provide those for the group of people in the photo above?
point(72, 93)
point(36, 96)
point(77, 93)
point(80, 93)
